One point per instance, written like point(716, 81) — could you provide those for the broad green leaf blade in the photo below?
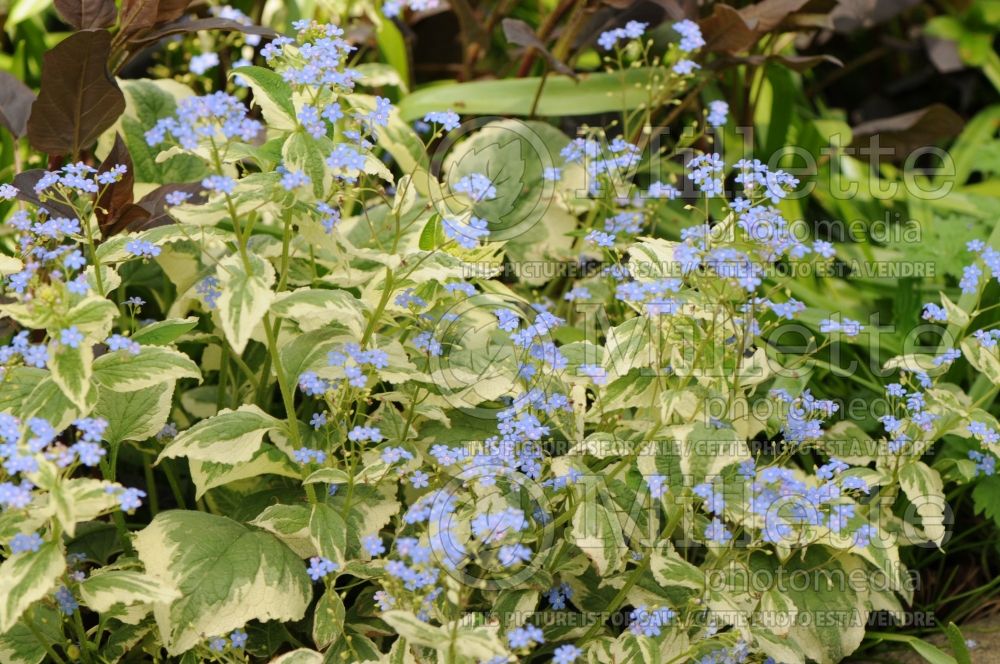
point(313, 308)
point(227, 575)
point(122, 371)
point(164, 332)
point(328, 619)
point(137, 415)
point(246, 297)
point(19, 645)
point(598, 533)
point(268, 460)
point(924, 488)
point(272, 93)
point(593, 93)
point(27, 577)
point(230, 437)
point(71, 371)
point(104, 589)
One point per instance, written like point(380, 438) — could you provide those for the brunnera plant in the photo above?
point(381, 446)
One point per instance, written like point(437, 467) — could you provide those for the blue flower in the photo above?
point(22, 543)
point(447, 119)
point(71, 337)
point(142, 248)
point(718, 111)
point(67, 603)
point(566, 654)
point(238, 638)
point(419, 479)
point(691, 39)
point(320, 567)
point(221, 183)
point(203, 62)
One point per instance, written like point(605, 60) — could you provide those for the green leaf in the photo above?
point(164, 332)
point(268, 460)
point(27, 577)
point(314, 308)
point(304, 153)
point(71, 371)
point(48, 402)
point(123, 371)
point(245, 298)
point(598, 533)
point(592, 94)
point(415, 630)
point(327, 476)
point(146, 102)
point(81, 499)
point(92, 316)
point(669, 569)
point(929, 652)
point(227, 575)
point(328, 619)
point(923, 487)
point(329, 532)
point(17, 384)
point(838, 610)
point(104, 589)
point(984, 360)
point(231, 437)
point(299, 656)
point(290, 523)
point(137, 415)
point(272, 94)
point(957, 641)
point(19, 645)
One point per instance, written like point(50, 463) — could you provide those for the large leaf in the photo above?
point(246, 297)
point(27, 577)
point(71, 371)
point(597, 531)
point(230, 437)
point(78, 99)
point(272, 94)
point(227, 575)
point(924, 488)
point(838, 608)
point(15, 104)
point(136, 415)
point(122, 371)
point(87, 14)
point(103, 590)
point(593, 93)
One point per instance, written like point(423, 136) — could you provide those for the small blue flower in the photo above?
point(238, 638)
point(71, 337)
point(22, 543)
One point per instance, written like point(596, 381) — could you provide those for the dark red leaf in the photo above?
point(15, 104)
point(520, 33)
point(87, 14)
point(78, 99)
point(117, 196)
point(902, 134)
point(767, 15)
point(136, 16)
point(194, 25)
point(25, 183)
point(151, 210)
point(727, 30)
point(170, 10)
